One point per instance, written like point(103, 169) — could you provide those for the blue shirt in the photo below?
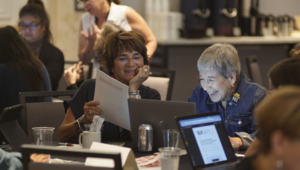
point(238, 116)
point(10, 160)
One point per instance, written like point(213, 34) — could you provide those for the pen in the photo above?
point(65, 144)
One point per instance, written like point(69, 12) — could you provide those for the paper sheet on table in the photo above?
point(127, 156)
point(113, 96)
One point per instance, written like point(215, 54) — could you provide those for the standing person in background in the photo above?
point(101, 11)
point(35, 29)
point(74, 75)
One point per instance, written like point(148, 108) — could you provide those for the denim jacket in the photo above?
point(238, 118)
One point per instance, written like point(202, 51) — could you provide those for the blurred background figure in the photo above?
point(285, 72)
point(35, 29)
point(101, 11)
point(20, 71)
point(295, 52)
point(74, 75)
point(278, 118)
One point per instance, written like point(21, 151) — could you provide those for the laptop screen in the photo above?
point(206, 139)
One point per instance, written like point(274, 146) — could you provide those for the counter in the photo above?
point(242, 40)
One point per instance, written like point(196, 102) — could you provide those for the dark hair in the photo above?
point(114, 1)
point(295, 52)
point(115, 43)
point(36, 8)
point(286, 72)
point(14, 51)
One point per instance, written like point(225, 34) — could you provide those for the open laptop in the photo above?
point(159, 114)
point(206, 140)
point(11, 129)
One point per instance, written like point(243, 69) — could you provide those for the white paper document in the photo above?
point(113, 96)
point(127, 156)
point(209, 144)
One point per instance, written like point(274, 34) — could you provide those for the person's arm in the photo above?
point(137, 23)
point(86, 44)
point(67, 130)
point(139, 78)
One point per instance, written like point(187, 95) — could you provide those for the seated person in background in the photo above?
point(20, 70)
point(285, 72)
point(125, 58)
point(278, 117)
point(74, 75)
point(35, 29)
point(295, 52)
point(224, 88)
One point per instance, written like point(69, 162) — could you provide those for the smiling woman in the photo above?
point(125, 58)
point(224, 88)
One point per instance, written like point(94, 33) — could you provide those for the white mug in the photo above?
point(88, 138)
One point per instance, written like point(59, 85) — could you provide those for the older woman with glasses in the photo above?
point(224, 88)
point(125, 59)
point(35, 29)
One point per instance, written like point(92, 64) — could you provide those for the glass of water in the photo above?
point(169, 158)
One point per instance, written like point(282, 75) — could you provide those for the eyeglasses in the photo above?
point(32, 27)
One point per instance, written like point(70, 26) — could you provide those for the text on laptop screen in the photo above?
point(203, 137)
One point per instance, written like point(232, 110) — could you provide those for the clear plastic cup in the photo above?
point(169, 158)
point(43, 135)
point(171, 137)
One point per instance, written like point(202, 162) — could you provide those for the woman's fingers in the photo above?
point(84, 34)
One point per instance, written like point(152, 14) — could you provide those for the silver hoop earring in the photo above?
point(279, 164)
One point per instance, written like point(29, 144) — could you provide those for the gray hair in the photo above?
point(221, 57)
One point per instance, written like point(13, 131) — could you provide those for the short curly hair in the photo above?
point(117, 42)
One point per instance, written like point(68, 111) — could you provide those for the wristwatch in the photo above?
point(79, 123)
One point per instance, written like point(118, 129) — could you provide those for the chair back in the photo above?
point(43, 113)
point(162, 80)
point(254, 70)
point(27, 150)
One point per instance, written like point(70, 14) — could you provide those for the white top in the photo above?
point(116, 15)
